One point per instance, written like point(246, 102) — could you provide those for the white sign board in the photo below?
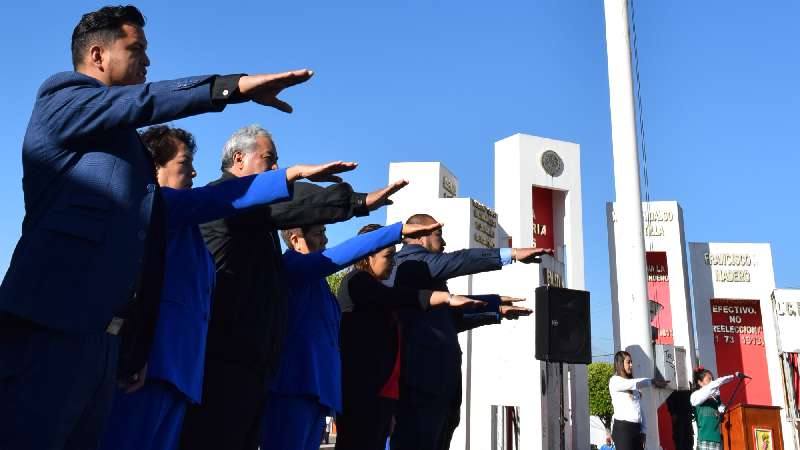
point(786, 304)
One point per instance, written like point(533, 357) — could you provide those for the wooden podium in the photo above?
point(745, 427)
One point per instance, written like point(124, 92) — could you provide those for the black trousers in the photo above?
point(626, 435)
point(425, 421)
point(229, 416)
point(55, 388)
point(365, 423)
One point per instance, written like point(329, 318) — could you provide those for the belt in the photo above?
point(115, 325)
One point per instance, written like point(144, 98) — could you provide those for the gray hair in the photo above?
point(242, 140)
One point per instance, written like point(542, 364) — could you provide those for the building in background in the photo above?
point(668, 290)
point(733, 285)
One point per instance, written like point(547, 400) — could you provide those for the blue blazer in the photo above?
point(310, 362)
point(178, 352)
point(89, 186)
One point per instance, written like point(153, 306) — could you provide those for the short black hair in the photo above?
point(160, 142)
point(102, 26)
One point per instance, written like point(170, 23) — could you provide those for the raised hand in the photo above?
point(417, 230)
point(514, 312)
point(319, 172)
point(459, 301)
point(506, 300)
point(264, 88)
point(660, 382)
point(379, 198)
point(530, 255)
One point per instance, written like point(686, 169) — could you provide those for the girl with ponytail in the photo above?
point(708, 408)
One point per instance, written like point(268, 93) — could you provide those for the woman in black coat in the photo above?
point(370, 343)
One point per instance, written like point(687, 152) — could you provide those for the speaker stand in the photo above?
point(562, 421)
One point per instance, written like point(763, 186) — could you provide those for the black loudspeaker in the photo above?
point(563, 328)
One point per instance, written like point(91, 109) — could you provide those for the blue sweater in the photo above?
point(310, 363)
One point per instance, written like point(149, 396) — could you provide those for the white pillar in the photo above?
point(632, 302)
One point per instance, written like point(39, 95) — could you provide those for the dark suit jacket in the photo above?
point(249, 316)
point(431, 359)
point(368, 334)
point(89, 188)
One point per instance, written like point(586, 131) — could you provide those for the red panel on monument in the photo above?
point(658, 290)
point(739, 344)
point(543, 217)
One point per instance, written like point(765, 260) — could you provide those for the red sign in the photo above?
point(543, 217)
point(739, 344)
point(658, 291)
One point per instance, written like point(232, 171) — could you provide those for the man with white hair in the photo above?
point(249, 315)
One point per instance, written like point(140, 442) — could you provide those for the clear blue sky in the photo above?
point(422, 80)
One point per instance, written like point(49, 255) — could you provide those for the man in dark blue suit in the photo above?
point(93, 213)
point(430, 375)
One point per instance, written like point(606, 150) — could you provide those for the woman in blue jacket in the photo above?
point(307, 386)
point(150, 418)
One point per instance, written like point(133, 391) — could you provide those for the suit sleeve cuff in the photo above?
point(225, 89)
point(425, 299)
point(360, 208)
point(506, 256)
point(285, 188)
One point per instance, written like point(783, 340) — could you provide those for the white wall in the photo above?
point(499, 366)
point(507, 353)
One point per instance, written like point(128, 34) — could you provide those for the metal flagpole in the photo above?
point(632, 301)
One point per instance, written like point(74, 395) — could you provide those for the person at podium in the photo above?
point(629, 426)
point(708, 408)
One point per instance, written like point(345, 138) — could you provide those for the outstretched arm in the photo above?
point(84, 107)
point(444, 266)
point(81, 107)
point(331, 260)
point(369, 294)
point(619, 384)
point(701, 395)
point(212, 202)
point(204, 204)
point(313, 205)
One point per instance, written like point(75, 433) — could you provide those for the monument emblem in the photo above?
point(552, 163)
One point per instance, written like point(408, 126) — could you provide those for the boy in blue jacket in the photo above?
point(307, 386)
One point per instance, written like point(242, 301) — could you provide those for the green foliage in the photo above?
point(599, 398)
point(335, 280)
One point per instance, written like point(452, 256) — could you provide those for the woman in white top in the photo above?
point(629, 427)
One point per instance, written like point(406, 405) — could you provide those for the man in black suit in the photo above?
point(430, 378)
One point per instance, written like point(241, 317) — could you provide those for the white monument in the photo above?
point(510, 398)
point(733, 284)
point(668, 287)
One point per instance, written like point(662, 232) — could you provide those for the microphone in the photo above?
point(742, 376)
